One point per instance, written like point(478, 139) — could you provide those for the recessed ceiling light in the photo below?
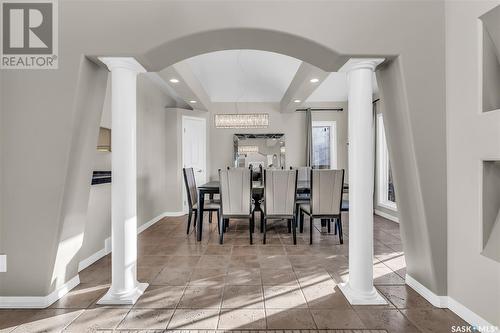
point(174, 80)
point(192, 101)
point(314, 80)
point(297, 101)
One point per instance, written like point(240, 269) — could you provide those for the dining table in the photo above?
point(212, 187)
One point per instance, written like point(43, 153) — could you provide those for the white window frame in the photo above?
point(333, 140)
point(383, 167)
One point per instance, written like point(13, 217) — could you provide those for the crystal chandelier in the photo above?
point(247, 149)
point(242, 120)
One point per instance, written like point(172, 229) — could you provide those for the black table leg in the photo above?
point(211, 197)
point(199, 226)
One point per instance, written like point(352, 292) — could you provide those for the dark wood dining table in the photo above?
point(212, 187)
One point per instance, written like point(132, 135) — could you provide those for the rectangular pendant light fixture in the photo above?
point(242, 120)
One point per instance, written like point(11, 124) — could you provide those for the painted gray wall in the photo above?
point(98, 225)
point(155, 130)
point(491, 210)
point(1, 171)
point(41, 104)
point(473, 279)
point(491, 74)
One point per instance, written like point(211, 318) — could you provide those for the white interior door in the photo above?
point(194, 150)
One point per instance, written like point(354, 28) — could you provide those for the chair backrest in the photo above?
point(304, 173)
point(236, 191)
point(280, 188)
point(191, 189)
point(326, 191)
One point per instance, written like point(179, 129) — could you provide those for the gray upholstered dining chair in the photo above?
point(236, 198)
point(192, 196)
point(326, 199)
point(280, 188)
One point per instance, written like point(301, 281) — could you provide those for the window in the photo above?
point(385, 193)
point(324, 139)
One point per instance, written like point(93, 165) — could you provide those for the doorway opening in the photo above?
point(194, 150)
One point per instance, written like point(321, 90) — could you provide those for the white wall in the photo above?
point(473, 279)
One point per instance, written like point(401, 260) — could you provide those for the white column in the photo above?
point(359, 289)
point(124, 286)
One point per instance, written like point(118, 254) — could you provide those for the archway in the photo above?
point(412, 206)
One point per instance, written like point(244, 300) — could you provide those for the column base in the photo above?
point(123, 299)
point(357, 298)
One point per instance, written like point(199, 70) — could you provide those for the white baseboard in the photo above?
point(107, 245)
point(469, 316)
point(156, 219)
point(38, 302)
point(96, 256)
point(448, 302)
point(387, 216)
point(107, 242)
point(437, 301)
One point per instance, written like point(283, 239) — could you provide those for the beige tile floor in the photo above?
point(237, 286)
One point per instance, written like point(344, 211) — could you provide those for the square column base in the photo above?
point(357, 298)
point(123, 299)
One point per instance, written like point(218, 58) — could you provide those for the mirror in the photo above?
point(266, 150)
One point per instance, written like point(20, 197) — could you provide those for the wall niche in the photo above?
point(491, 210)
point(491, 60)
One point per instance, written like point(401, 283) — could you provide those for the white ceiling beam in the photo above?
point(301, 87)
point(188, 87)
point(177, 102)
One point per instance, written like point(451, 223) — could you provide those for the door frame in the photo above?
point(333, 140)
point(183, 123)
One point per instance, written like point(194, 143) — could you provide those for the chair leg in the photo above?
point(264, 228)
point(189, 220)
point(297, 212)
point(335, 226)
point(329, 221)
point(341, 236)
point(310, 230)
point(253, 220)
point(261, 221)
point(289, 225)
point(195, 217)
point(301, 222)
point(294, 227)
point(250, 227)
point(218, 219)
point(220, 222)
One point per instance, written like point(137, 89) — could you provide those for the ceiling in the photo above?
point(244, 75)
point(260, 76)
point(334, 89)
